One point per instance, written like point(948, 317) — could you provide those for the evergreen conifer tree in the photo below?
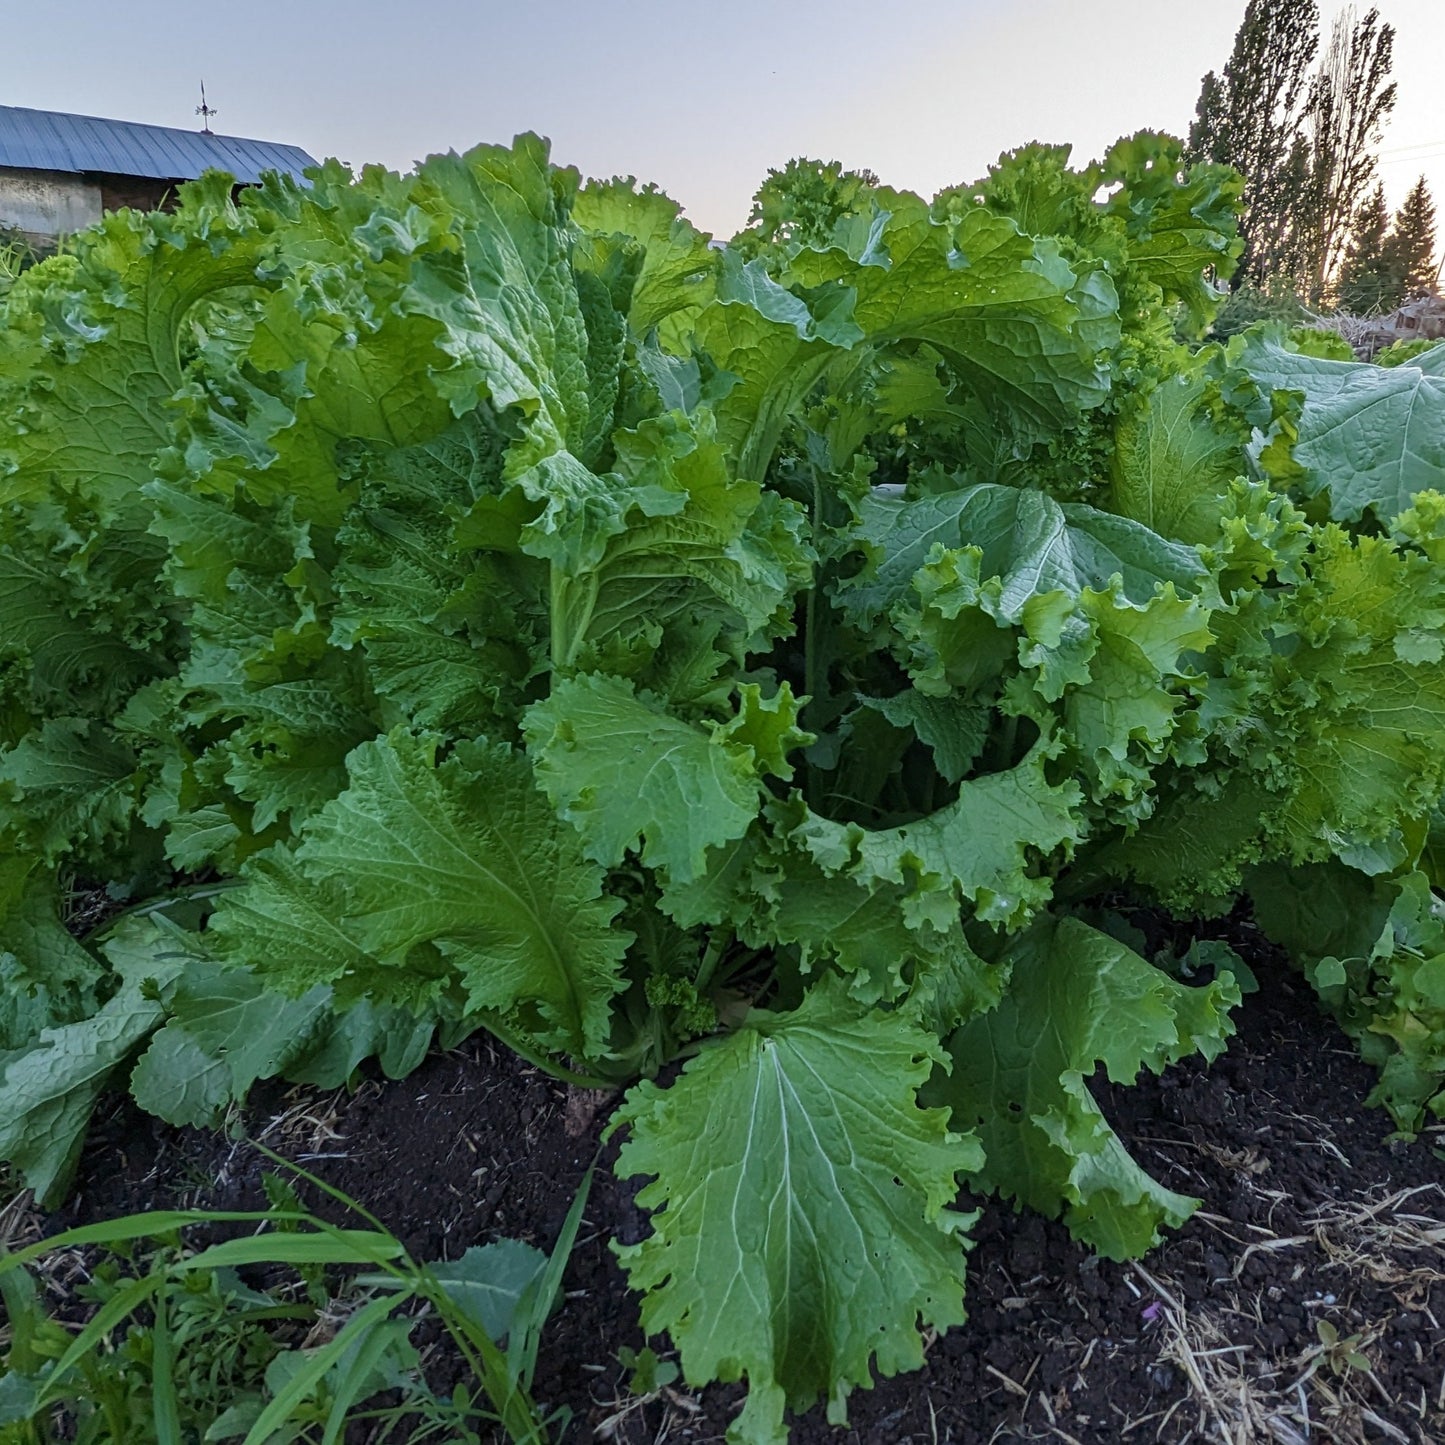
point(1410, 247)
point(1367, 279)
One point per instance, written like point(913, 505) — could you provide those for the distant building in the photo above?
point(59, 173)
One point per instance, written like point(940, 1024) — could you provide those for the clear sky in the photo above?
point(701, 98)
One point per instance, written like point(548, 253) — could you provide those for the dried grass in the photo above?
point(628, 1424)
point(1326, 1392)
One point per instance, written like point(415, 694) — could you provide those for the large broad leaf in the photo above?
point(514, 331)
point(980, 851)
point(1136, 209)
point(324, 372)
point(1030, 542)
point(115, 312)
point(1109, 674)
point(1325, 708)
point(1076, 999)
point(953, 728)
point(865, 930)
point(776, 348)
point(258, 661)
point(968, 586)
point(48, 1091)
point(770, 889)
point(289, 927)
point(1017, 323)
point(226, 1028)
point(801, 1235)
point(700, 551)
point(1174, 460)
point(85, 637)
point(402, 304)
point(1180, 231)
point(1328, 701)
point(628, 775)
point(75, 784)
point(675, 262)
point(1361, 700)
point(489, 1280)
point(1187, 867)
point(225, 1031)
point(1370, 436)
point(1431, 362)
point(46, 977)
point(450, 627)
point(465, 860)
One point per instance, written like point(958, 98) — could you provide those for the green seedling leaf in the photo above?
point(648, 1374)
point(362, 1373)
point(123, 1303)
point(489, 1281)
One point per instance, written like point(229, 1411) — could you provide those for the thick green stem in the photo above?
point(540, 1060)
point(1010, 740)
point(717, 945)
point(815, 672)
point(571, 615)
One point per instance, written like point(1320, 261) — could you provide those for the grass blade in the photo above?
point(340, 1196)
point(125, 1301)
point(23, 1313)
point(534, 1308)
point(131, 1227)
point(163, 1376)
point(304, 1381)
point(341, 1246)
point(358, 1374)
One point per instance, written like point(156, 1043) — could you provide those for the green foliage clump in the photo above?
point(1248, 306)
point(491, 604)
point(1405, 353)
point(1387, 266)
point(1320, 341)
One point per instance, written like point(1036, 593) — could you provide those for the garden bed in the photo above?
point(1311, 1215)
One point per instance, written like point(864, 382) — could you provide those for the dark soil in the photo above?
point(1311, 1215)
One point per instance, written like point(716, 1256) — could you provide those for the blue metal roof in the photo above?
point(50, 140)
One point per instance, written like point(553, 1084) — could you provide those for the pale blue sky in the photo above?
point(701, 98)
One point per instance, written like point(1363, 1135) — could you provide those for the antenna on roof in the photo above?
point(205, 111)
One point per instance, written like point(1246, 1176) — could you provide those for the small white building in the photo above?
point(59, 173)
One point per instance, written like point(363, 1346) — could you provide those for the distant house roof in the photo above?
point(51, 140)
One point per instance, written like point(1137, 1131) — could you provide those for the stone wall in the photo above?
point(42, 205)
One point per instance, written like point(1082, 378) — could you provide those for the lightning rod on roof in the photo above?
point(205, 111)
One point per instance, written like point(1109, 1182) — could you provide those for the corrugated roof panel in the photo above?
point(51, 140)
point(164, 150)
point(43, 140)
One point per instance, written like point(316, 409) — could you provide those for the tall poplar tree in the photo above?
point(1251, 116)
point(1350, 99)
